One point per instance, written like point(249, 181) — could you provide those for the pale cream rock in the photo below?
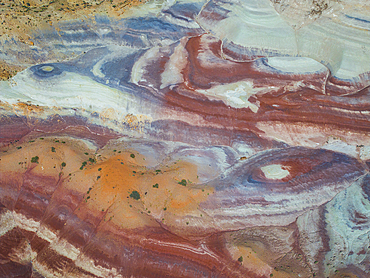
point(275, 172)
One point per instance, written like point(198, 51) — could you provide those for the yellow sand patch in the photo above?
point(157, 191)
point(249, 259)
point(114, 182)
point(46, 156)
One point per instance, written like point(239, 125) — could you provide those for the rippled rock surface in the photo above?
point(189, 139)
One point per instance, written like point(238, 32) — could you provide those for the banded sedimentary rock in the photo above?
point(84, 211)
point(189, 139)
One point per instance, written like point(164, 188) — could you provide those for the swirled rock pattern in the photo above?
point(188, 139)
